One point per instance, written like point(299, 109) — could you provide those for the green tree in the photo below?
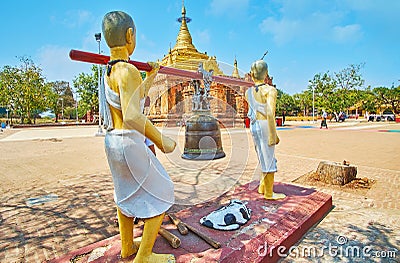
point(285, 102)
point(303, 102)
point(60, 98)
point(22, 89)
point(349, 81)
point(324, 87)
point(9, 79)
point(338, 91)
point(87, 88)
point(368, 100)
point(388, 96)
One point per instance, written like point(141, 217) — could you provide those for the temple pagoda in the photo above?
point(170, 100)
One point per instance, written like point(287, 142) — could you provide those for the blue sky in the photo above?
point(303, 37)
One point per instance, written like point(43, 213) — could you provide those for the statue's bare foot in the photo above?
point(131, 251)
point(261, 188)
point(275, 196)
point(156, 258)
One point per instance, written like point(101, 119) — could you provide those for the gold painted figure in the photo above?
point(143, 189)
point(262, 103)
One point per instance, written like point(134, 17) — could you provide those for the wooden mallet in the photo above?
point(173, 240)
point(203, 236)
point(179, 225)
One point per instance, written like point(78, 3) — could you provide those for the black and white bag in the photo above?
point(229, 217)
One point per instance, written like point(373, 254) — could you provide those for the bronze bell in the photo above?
point(202, 138)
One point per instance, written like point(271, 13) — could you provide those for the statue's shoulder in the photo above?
point(268, 89)
point(127, 69)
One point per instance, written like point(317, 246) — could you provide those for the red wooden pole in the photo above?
point(102, 59)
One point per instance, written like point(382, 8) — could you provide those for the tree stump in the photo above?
point(336, 173)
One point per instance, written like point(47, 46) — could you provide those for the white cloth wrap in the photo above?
point(259, 132)
point(142, 187)
point(265, 153)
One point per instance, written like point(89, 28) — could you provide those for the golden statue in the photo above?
point(262, 103)
point(142, 187)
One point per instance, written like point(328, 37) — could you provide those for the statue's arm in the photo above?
point(133, 118)
point(148, 81)
point(271, 95)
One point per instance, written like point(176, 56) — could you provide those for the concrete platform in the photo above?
point(274, 227)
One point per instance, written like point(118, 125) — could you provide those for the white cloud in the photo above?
point(57, 65)
point(76, 18)
point(378, 8)
point(308, 27)
point(73, 18)
point(348, 33)
point(228, 7)
point(282, 30)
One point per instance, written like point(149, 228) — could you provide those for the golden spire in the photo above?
point(184, 54)
point(183, 9)
point(235, 72)
point(170, 62)
point(184, 39)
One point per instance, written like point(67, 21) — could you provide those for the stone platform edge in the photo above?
point(292, 217)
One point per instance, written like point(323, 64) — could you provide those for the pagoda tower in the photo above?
point(171, 96)
point(184, 54)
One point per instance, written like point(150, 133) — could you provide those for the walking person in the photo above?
point(323, 122)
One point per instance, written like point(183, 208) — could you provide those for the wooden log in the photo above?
point(102, 59)
point(181, 227)
point(173, 240)
point(336, 173)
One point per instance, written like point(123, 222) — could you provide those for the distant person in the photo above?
point(323, 122)
point(342, 116)
point(3, 126)
point(283, 118)
point(336, 116)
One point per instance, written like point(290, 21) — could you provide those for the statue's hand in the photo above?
point(155, 67)
point(273, 140)
point(168, 145)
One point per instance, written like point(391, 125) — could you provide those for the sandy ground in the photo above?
point(32, 157)
point(47, 157)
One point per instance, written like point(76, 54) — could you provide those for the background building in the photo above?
point(171, 97)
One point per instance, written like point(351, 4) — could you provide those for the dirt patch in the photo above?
point(358, 186)
point(49, 140)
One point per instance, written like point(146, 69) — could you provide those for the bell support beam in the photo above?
point(94, 58)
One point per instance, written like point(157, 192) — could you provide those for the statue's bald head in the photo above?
point(259, 69)
point(115, 25)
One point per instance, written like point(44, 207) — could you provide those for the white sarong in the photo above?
point(142, 187)
point(265, 153)
point(259, 132)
